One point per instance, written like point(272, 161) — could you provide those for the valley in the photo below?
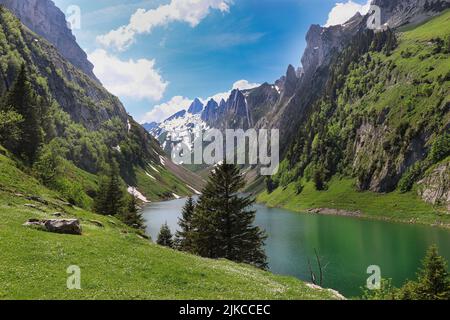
point(363, 177)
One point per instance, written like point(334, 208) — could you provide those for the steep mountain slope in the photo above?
point(383, 118)
point(90, 124)
point(323, 43)
point(45, 19)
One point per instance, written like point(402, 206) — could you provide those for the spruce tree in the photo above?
point(184, 236)
point(132, 217)
point(110, 197)
point(223, 222)
point(165, 237)
point(22, 99)
point(434, 280)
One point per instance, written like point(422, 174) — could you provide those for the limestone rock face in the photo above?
point(435, 187)
point(323, 41)
point(49, 22)
point(396, 13)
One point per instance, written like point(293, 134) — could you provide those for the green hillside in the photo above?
point(372, 141)
point(115, 261)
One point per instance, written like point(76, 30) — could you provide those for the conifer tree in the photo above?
point(165, 237)
point(434, 280)
point(132, 217)
point(24, 101)
point(223, 222)
point(184, 236)
point(10, 132)
point(110, 197)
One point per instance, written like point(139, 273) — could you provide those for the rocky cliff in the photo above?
point(397, 13)
point(435, 186)
point(196, 107)
point(45, 19)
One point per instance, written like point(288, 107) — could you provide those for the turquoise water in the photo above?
point(347, 246)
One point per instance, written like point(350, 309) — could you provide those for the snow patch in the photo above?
point(135, 192)
point(278, 89)
point(176, 196)
point(148, 174)
point(118, 149)
point(154, 169)
point(197, 192)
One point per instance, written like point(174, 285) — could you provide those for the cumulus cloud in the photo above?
point(143, 21)
point(244, 85)
point(344, 11)
point(137, 79)
point(163, 111)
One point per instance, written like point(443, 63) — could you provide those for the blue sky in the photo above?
point(194, 48)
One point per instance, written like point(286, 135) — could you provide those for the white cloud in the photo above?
point(137, 79)
point(143, 21)
point(163, 111)
point(245, 85)
point(342, 12)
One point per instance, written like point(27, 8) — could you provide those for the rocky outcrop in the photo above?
point(232, 114)
point(48, 21)
point(211, 112)
point(196, 107)
point(323, 41)
point(288, 83)
point(397, 13)
point(379, 170)
point(63, 226)
point(435, 187)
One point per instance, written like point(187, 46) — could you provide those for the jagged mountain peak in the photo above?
point(196, 106)
point(321, 41)
point(210, 113)
point(45, 19)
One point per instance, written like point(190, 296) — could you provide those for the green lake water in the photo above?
point(347, 246)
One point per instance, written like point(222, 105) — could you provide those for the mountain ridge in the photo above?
point(47, 20)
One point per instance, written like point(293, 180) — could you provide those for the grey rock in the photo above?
point(398, 13)
point(63, 226)
point(434, 188)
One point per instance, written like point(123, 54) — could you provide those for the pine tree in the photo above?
point(184, 236)
point(165, 237)
point(223, 221)
point(434, 280)
point(132, 217)
point(110, 197)
point(25, 102)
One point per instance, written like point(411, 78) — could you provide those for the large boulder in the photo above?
point(64, 226)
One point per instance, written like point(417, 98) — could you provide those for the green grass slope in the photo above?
point(342, 195)
point(115, 262)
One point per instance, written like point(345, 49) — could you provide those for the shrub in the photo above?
point(441, 148)
point(410, 177)
point(299, 187)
